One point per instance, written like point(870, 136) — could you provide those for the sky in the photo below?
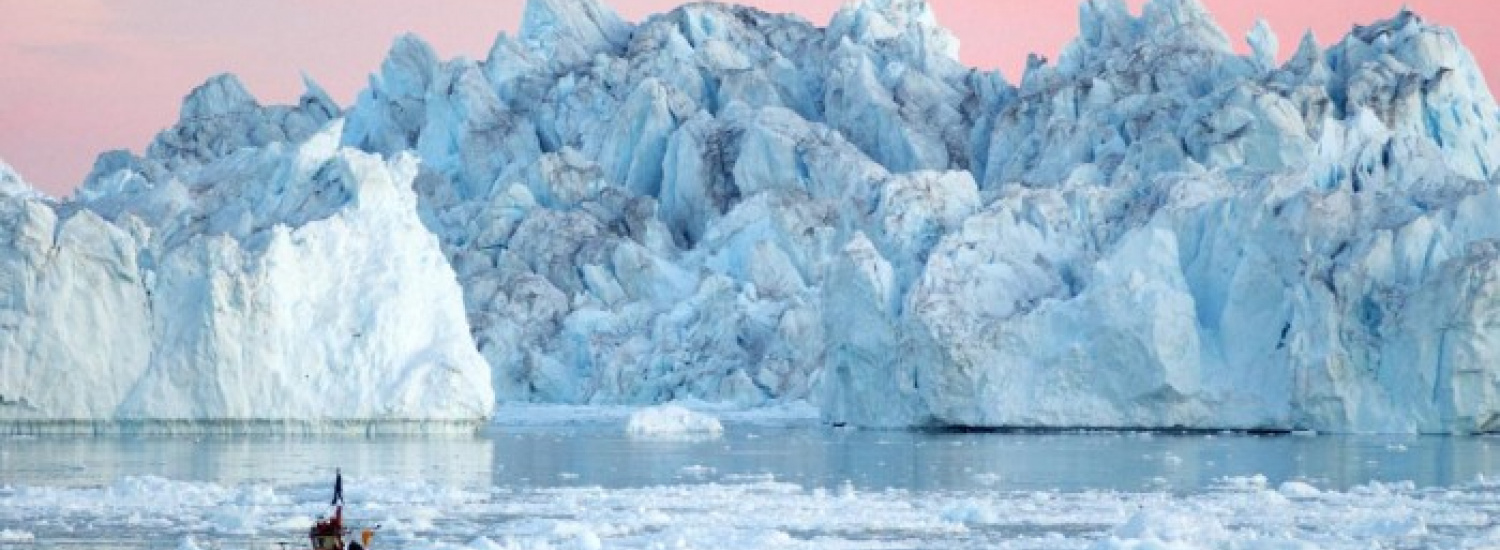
point(79, 77)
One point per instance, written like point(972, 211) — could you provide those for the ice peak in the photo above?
point(1264, 45)
point(1307, 48)
point(502, 49)
point(410, 44)
point(1105, 23)
point(409, 65)
point(1185, 20)
point(1427, 50)
point(221, 95)
point(313, 94)
point(1107, 29)
point(1403, 19)
point(7, 174)
point(914, 11)
point(1307, 61)
point(870, 21)
point(11, 183)
point(573, 27)
point(1177, 12)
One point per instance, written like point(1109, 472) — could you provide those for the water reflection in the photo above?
point(815, 457)
point(946, 462)
point(80, 461)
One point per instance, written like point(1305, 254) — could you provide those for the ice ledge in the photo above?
point(246, 426)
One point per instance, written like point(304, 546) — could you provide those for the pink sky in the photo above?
point(84, 76)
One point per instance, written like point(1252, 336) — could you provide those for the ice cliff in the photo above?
point(284, 286)
point(725, 204)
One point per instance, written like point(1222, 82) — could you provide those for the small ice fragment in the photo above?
point(16, 535)
point(673, 422)
point(1298, 489)
point(587, 540)
point(696, 471)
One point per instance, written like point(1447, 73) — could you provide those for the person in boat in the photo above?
point(328, 534)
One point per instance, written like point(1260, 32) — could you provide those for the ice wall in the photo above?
point(725, 204)
point(280, 284)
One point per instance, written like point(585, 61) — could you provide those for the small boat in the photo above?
point(329, 533)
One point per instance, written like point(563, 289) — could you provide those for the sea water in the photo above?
point(806, 486)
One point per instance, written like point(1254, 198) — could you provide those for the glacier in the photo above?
point(728, 205)
point(302, 295)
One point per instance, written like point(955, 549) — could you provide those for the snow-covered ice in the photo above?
point(726, 205)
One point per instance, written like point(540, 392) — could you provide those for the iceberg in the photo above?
point(672, 423)
point(727, 205)
point(287, 287)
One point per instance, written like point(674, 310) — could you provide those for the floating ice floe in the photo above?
point(736, 514)
point(673, 422)
point(16, 535)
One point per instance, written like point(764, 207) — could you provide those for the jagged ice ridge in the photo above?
point(724, 204)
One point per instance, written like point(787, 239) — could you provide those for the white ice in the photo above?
point(791, 414)
point(727, 205)
point(305, 296)
point(673, 422)
point(734, 513)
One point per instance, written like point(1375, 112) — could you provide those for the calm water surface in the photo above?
point(602, 456)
